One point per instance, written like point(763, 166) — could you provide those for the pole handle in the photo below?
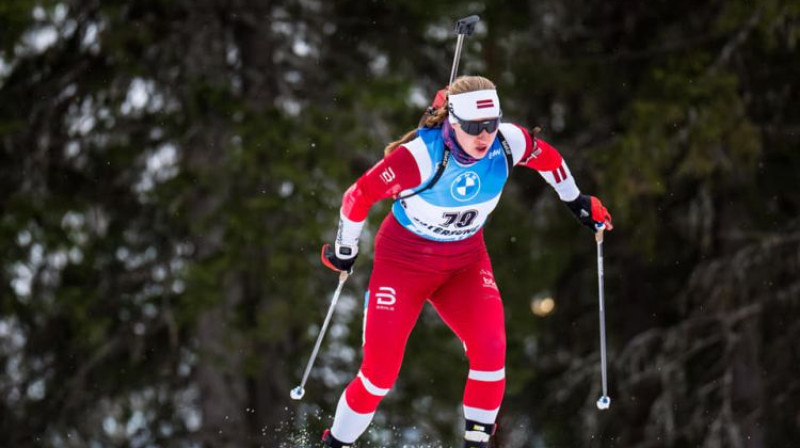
point(467, 25)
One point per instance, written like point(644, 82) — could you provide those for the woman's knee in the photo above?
point(487, 352)
point(365, 393)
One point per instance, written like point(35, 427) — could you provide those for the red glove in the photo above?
point(590, 212)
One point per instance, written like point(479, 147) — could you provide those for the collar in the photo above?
point(449, 136)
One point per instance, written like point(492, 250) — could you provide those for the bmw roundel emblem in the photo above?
point(466, 186)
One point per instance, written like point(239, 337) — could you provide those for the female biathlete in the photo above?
point(446, 178)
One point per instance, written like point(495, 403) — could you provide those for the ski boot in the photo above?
point(476, 435)
point(328, 441)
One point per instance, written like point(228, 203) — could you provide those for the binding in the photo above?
point(328, 441)
point(477, 434)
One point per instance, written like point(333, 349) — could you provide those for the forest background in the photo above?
point(169, 170)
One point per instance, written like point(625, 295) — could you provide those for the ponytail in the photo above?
point(432, 118)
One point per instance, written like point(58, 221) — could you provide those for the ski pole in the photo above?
point(464, 27)
point(604, 402)
point(298, 392)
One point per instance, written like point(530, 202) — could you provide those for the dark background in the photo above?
point(169, 170)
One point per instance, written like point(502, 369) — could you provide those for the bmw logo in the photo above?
point(466, 186)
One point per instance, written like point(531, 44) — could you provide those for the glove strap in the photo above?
point(581, 207)
point(344, 252)
point(346, 246)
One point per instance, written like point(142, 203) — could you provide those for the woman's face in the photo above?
point(476, 146)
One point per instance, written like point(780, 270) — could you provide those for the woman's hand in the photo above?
point(590, 212)
point(341, 259)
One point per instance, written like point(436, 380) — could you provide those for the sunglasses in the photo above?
point(476, 127)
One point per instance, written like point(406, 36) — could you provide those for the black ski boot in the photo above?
point(328, 441)
point(476, 435)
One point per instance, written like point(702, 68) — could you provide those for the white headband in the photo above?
point(475, 105)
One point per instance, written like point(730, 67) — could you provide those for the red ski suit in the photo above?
point(454, 276)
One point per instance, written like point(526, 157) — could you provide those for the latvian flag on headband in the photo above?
point(475, 105)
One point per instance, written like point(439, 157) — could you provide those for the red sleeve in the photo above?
point(528, 144)
point(396, 172)
point(541, 157)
